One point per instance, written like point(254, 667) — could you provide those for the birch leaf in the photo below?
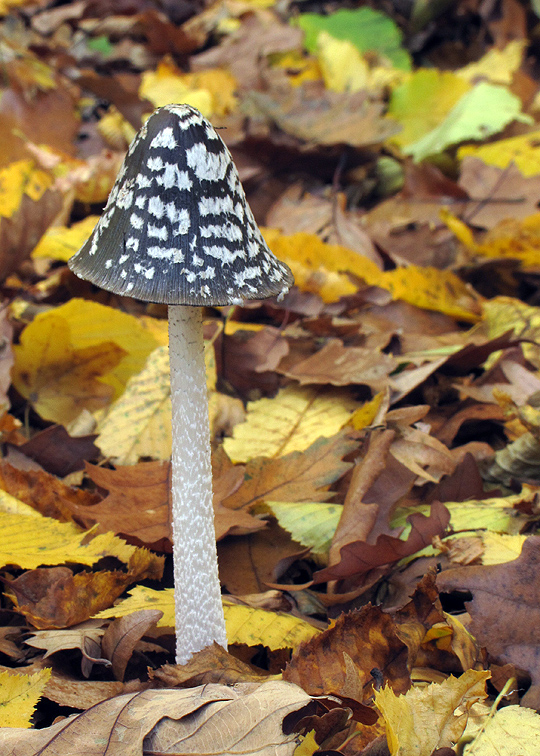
point(421, 721)
point(19, 695)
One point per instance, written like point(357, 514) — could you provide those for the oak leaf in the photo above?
point(505, 608)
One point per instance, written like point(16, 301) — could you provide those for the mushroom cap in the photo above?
point(177, 227)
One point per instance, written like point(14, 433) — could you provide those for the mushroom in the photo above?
point(177, 229)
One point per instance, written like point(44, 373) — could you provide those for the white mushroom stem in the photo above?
point(197, 595)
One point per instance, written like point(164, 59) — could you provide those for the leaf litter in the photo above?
point(375, 435)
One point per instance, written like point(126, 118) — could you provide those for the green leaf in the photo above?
point(367, 29)
point(484, 110)
point(310, 523)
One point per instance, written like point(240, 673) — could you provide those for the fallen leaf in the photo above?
point(310, 523)
point(58, 452)
point(298, 476)
point(42, 491)
point(505, 608)
point(211, 665)
point(511, 730)
point(123, 634)
point(59, 380)
point(359, 558)
point(423, 720)
point(291, 421)
point(245, 624)
point(339, 365)
point(229, 720)
point(85, 637)
point(61, 242)
point(369, 637)
point(139, 423)
point(19, 695)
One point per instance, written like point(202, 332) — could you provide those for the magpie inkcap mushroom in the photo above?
point(177, 229)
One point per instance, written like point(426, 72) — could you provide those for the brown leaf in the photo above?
point(505, 609)
point(317, 116)
point(298, 476)
point(137, 504)
point(358, 518)
point(78, 694)
point(339, 365)
point(44, 492)
point(58, 452)
point(85, 637)
point(359, 558)
point(52, 597)
point(123, 634)
point(242, 51)
point(369, 638)
point(210, 719)
point(211, 665)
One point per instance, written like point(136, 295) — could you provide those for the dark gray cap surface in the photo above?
point(177, 228)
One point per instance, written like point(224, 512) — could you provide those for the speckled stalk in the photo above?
point(197, 594)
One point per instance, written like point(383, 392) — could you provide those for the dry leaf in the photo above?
point(208, 719)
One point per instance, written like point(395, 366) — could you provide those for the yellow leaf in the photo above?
point(345, 69)
point(425, 719)
point(342, 66)
point(18, 179)
point(497, 66)
point(501, 547)
point(308, 745)
point(522, 150)
point(322, 268)
point(291, 421)
point(312, 523)
point(431, 289)
point(61, 242)
point(211, 91)
point(115, 129)
point(244, 624)
point(19, 694)
point(30, 544)
point(510, 731)
point(366, 414)
point(298, 67)
point(423, 101)
point(254, 627)
point(503, 314)
point(87, 327)
point(318, 267)
point(59, 380)
point(139, 423)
